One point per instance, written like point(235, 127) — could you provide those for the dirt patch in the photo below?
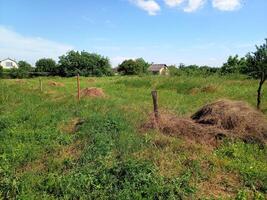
point(220, 185)
point(56, 84)
point(215, 122)
point(72, 152)
point(92, 92)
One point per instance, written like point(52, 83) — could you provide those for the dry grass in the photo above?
point(92, 92)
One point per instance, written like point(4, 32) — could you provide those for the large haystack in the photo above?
point(213, 122)
point(236, 117)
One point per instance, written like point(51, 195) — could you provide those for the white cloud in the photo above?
point(150, 6)
point(226, 5)
point(19, 47)
point(194, 5)
point(115, 61)
point(173, 3)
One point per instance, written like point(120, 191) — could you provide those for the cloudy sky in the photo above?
point(161, 31)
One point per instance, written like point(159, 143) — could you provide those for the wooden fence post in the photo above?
point(155, 103)
point(40, 85)
point(78, 87)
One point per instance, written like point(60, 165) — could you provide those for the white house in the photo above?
point(8, 63)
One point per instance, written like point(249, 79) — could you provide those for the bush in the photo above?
point(84, 63)
point(22, 72)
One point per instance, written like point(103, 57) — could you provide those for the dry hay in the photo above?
point(91, 80)
point(214, 122)
point(209, 89)
point(204, 89)
point(56, 84)
point(236, 117)
point(20, 81)
point(92, 92)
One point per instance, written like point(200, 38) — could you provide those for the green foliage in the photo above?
point(23, 70)
point(1, 71)
point(257, 67)
point(133, 67)
point(84, 63)
point(192, 70)
point(249, 160)
point(257, 62)
point(106, 157)
point(234, 65)
point(46, 65)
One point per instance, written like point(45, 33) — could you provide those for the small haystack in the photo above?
point(56, 84)
point(92, 92)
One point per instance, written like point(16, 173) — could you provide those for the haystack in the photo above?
point(56, 84)
point(236, 117)
point(214, 122)
point(92, 92)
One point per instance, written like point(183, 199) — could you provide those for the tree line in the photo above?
point(254, 65)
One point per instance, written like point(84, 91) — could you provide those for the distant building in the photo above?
point(160, 69)
point(8, 63)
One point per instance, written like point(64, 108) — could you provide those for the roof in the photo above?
point(156, 67)
point(8, 59)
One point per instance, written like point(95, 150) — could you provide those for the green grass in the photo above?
point(107, 157)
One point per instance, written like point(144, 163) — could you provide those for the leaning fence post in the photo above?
point(78, 87)
point(155, 103)
point(40, 85)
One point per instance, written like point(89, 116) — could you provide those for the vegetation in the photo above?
point(1, 71)
point(257, 67)
point(22, 71)
point(133, 67)
point(53, 147)
point(234, 64)
point(46, 65)
point(84, 63)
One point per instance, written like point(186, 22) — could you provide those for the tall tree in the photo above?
point(234, 64)
point(46, 65)
point(257, 67)
point(133, 67)
point(84, 63)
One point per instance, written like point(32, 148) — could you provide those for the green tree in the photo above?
point(84, 63)
point(130, 67)
point(46, 65)
point(257, 67)
point(143, 65)
point(234, 64)
point(23, 70)
point(1, 71)
point(133, 67)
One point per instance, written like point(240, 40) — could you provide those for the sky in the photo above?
point(202, 32)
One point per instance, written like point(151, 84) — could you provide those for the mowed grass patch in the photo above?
point(43, 155)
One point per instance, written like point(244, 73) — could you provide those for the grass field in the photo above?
point(44, 154)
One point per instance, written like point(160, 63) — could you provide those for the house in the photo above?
point(8, 63)
point(160, 69)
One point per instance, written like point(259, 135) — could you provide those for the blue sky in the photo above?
point(161, 31)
